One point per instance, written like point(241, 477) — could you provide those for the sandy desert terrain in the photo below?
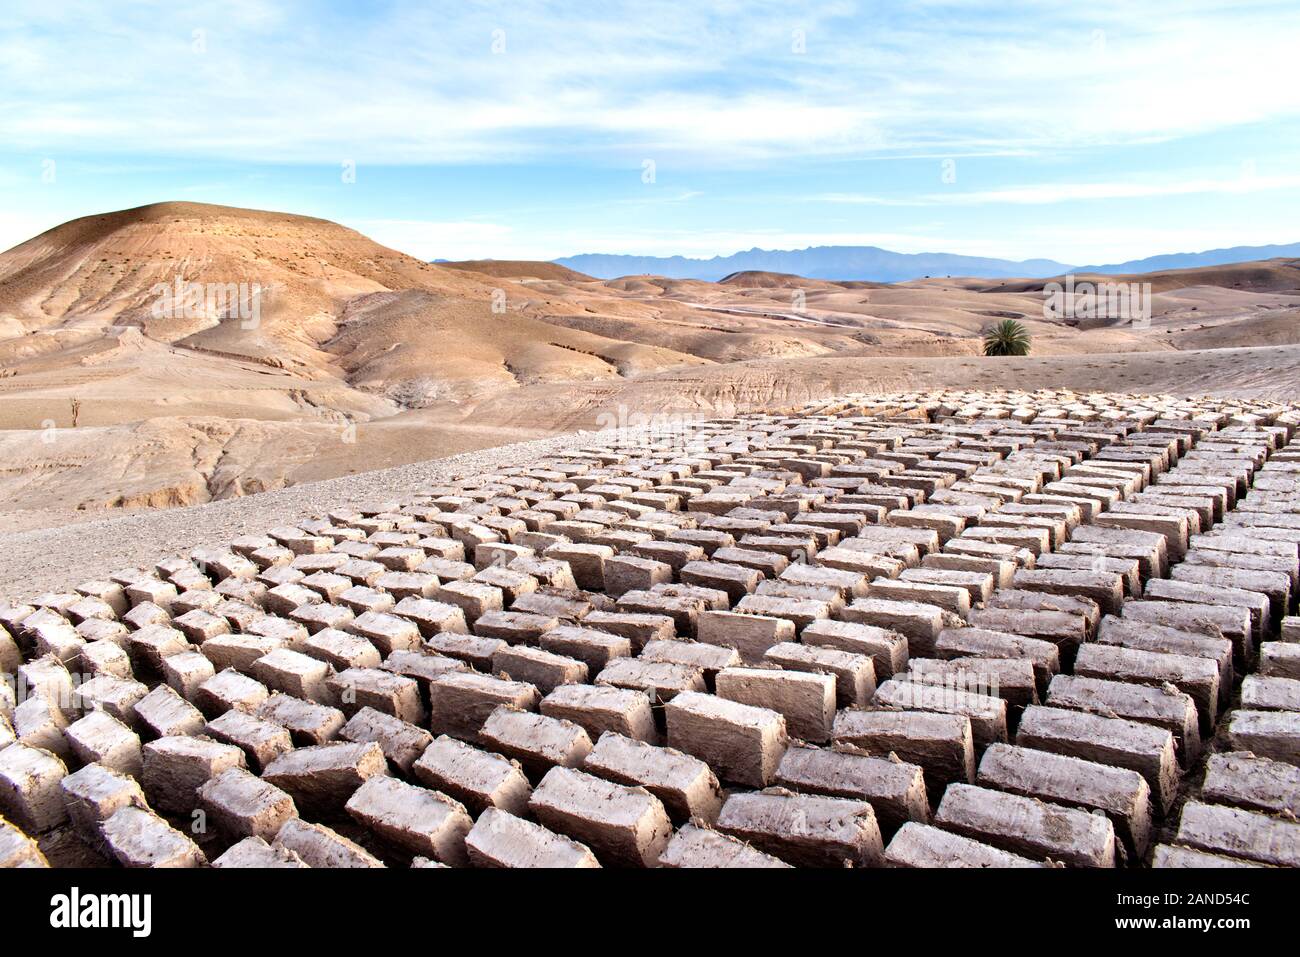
point(361, 357)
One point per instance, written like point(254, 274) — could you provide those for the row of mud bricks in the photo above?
point(915, 630)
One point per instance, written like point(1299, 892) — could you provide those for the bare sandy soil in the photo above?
point(360, 357)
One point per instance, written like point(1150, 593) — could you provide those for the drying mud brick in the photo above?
point(1254, 783)
point(750, 635)
point(242, 805)
point(1121, 794)
point(321, 778)
point(478, 779)
point(401, 741)
point(100, 738)
point(807, 830)
point(1239, 833)
point(261, 741)
point(536, 741)
point(319, 846)
point(623, 825)
point(459, 703)
point(30, 795)
point(895, 789)
point(1269, 734)
point(855, 675)
point(701, 847)
point(500, 839)
point(229, 690)
point(1164, 707)
point(254, 852)
point(919, 623)
point(919, 845)
point(941, 744)
point(1196, 677)
point(17, 850)
point(601, 708)
point(987, 714)
point(1270, 694)
point(94, 794)
point(686, 786)
point(162, 712)
point(742, 744)
point(594, 648)
point(887, 649)
point(176, 767)
point(544, 670)
point(1176, 856)
point(308, 723)
point(137, 837)
point(661, 680)
point(805, 699)
point(1027, 826)
point(414, 818)
point(1115, 741)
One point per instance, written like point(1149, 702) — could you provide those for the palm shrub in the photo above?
point(1007, 338)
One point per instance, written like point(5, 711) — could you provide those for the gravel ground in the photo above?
point(58, 559)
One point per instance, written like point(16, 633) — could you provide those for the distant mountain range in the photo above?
point(881, 265)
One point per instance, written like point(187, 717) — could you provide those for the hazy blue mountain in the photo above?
point(1211, 257)
point(880, 265)
point(819, 262)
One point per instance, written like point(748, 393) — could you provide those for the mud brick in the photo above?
point(1150, 549)
point(1270, 694)
point(478, 779)
point(685, 785)
point(860, 561)
point(475, 652)
point(750, 635)
point(941, 744)
point(422, 666)
point(831, 831)
point(38, 723)
point(919, 622)
point(895, 790)
point(137, 837)
point(887, 649)
point(319, 617)
point(1254, 783)
point(854, 674)
point(341, 650)
point(413, 818)
point(1269, 734)
point(30, 795)
point(997, 571)
point(593, 647)
point(565, 606)
point(546, 571)
point(536, 741)
point(543, 669)
point(242, 805)
point(329, 585)
point(285, 633)
point(700, 847)
point(500, 839)
point(1027, 826)
point(944, 694)
point(805, 699)
point(997, 551)
point(1011, 679)
point(953, 599)
point(1280, 659)
point(1122, 795)
point(1104, 588)
point(1063, 629)
point(978, 585)
point(101, 739)
point(767, 564)
point(1239, 833)
point(586, 561)
point(254, 852)
point(230, 689)
point(431, 617)
point(163, 713)
point(624, 573)
point(1142, 636)
point(1213, 620)
point(967, 643)
point(186, 672)
point(737, 581)
point(238, 651)
point(1018, 535)
point(261, 741)
point(661, 680)
point(286, 598)
point(385, 691)
point(802, 612)
point(1196, 677)
point(499, 554)
point(294, 673)
point(319, 846)
point(461, 702)
point(49, 678)
point(514, 627)
point(739, 742)
point(1275, 585)
point(94, 794)
point(307, 722)
point(1291, 629)
point(694, 654)
point(321, 778)
point(158, 593)
point(623, 825)
point(920, 845)
point(1162, 589)
point(105, 657)
point(151, 644)
point(1175, 856)
point(176, 766)
point(1118, 742)
point(599, 709)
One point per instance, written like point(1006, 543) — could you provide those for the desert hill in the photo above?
point(361, 357)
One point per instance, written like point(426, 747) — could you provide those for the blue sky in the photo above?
point(1086, 133)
